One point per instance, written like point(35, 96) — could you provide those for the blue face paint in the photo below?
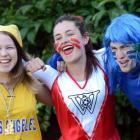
point(133, 54)
point(136, 46)
point(114, 55)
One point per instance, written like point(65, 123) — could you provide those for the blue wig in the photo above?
point(123, 29)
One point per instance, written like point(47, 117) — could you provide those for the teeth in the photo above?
point(68, 47)
point(4, 61)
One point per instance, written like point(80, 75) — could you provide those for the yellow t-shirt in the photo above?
point(22, 114)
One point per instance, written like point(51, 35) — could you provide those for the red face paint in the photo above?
point(72, 42)
point(75, 42)
point(57, 47)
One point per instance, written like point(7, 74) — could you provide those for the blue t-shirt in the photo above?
point(130, 85)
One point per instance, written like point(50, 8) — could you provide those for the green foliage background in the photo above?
point(36, 18)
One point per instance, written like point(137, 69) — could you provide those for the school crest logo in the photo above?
point(85, 101)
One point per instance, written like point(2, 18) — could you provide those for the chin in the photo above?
point(5, 70)
point(125, 70)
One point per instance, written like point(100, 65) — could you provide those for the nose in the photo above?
point(65, 39)
point(3, 52)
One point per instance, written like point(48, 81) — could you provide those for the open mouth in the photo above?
point(67, 49)
point(123, 63)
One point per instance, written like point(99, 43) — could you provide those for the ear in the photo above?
point(86, 38)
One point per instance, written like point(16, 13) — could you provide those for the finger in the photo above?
point(58, 65)
point(40, 62)
point(44, 68)
point(61, 66)
point(34, 65)
point(65, 67)
point(37, 63)
point(29, 67)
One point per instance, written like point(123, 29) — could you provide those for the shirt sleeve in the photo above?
point(47, 77)
point(100, 55)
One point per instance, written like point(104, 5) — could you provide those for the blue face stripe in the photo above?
point(114, 55)
point(131, 51)
point(131, 54)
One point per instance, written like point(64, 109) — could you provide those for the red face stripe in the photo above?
point(57, 47)
point(72, 42)
point(75, 42)
point(76, 45)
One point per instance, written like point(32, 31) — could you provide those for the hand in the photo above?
point(34, 65)
point(61, 66)
point(53, 60)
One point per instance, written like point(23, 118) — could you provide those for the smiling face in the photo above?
point(69, 42)
point(120, 53)
point(8, 54)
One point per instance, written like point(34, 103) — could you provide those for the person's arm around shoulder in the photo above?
point(43, 72)
point(44, 96)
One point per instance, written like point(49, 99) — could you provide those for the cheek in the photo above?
point(114, 55)
point(132, 64)
point(57, 46)
point(75, 42)
point(16, 57)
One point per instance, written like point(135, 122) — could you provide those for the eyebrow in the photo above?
point(123, 45)
point(68, 31)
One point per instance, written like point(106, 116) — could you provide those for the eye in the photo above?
point(113, 49)
point(57, 38)
point(70, 34)
point(126, 47)
point(11, 47)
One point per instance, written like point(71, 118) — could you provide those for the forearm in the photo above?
point(47, 77)
point(45, 96)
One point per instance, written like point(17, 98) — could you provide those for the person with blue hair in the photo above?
point(122, 43)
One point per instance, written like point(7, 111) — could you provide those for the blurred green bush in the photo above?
point(36, 19)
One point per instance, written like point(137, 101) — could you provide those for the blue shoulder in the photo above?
point(53, 60)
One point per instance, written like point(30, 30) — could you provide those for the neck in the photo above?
point(6, 81)
point(4, 78)
point(77, 69)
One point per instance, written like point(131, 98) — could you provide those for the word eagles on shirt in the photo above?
point(19, 125)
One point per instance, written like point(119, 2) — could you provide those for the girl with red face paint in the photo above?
point(84, 106)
